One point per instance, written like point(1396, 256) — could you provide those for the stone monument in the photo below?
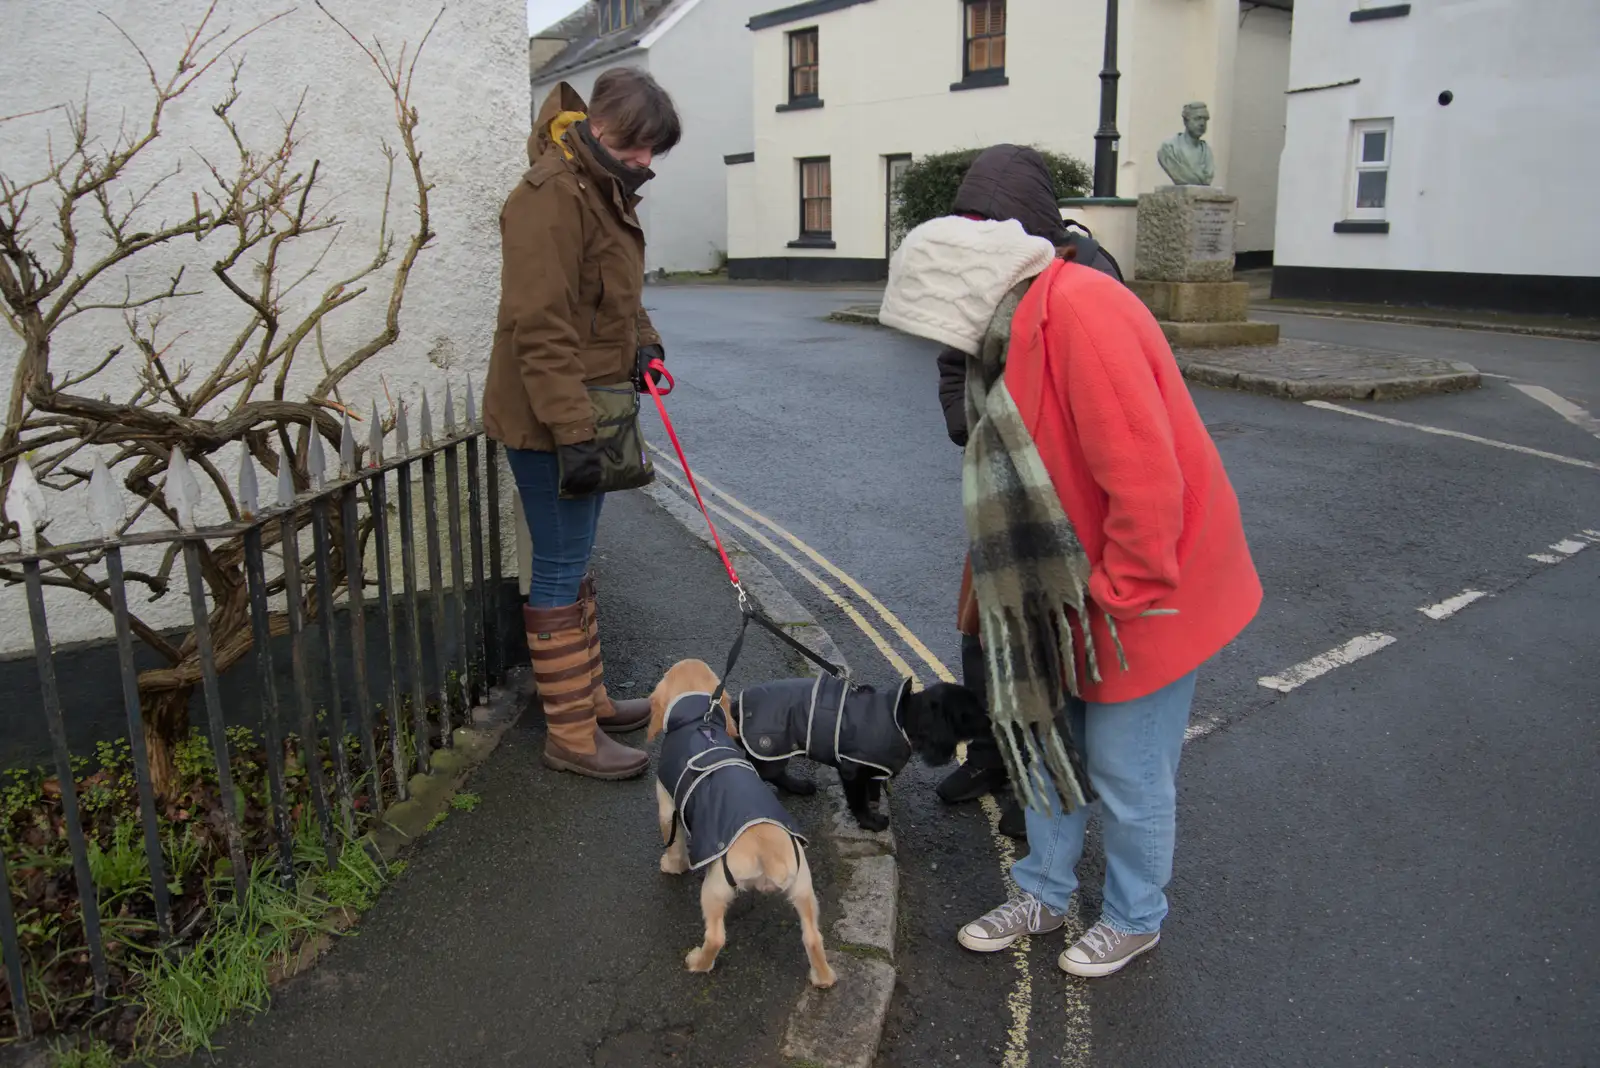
point(1186, 157)
point(1183, 249)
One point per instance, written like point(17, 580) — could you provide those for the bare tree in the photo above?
point(246, 216)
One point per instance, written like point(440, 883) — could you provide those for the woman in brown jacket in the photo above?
point(571, 280)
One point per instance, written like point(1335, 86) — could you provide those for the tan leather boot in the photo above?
point(617, 717)
point(564, 675)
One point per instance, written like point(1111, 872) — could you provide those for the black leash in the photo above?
point(747, 613)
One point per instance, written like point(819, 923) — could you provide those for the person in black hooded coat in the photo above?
point(1004, 182)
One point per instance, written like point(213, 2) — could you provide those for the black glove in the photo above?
point(645, 354)
point(580, 468)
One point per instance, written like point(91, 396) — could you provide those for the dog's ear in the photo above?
point(941, 717)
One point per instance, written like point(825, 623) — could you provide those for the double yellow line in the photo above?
point(1019, 1001)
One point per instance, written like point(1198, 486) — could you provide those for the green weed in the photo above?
point(465, 802)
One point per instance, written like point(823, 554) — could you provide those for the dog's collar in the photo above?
point(685, 709)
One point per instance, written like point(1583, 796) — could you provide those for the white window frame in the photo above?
point(1358, 166)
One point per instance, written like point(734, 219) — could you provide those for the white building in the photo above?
point(846, 90)
point(469, 94)
point(1443, 153)
point(699, 51)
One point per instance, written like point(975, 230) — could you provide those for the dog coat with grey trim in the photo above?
point(716, 790)
point(827, 720)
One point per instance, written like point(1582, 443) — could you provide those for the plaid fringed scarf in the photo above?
point(1028, 571)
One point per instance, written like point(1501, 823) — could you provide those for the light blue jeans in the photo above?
point(1131, 750)
point(562, 531)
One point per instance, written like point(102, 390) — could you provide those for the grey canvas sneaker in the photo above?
point(999, 927)
point(1103, 949)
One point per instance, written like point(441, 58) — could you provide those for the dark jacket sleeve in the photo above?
point(953, 393)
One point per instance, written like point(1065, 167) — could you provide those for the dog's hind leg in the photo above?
point(675, 860)
point(715, 897)
point(804, 897)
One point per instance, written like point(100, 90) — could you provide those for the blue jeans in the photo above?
point(562, 530)
point(1131, 750)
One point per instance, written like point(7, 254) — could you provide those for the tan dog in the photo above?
point(765, 854)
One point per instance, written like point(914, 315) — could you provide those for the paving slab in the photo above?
point(1307, 370)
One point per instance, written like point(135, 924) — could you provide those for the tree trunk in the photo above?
point(166, 724)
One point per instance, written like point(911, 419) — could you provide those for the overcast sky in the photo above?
point(542, 13)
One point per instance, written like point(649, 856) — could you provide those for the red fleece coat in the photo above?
point(1138, 476)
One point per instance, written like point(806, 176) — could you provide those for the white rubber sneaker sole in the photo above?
point(972, 937)
point(1093, 970)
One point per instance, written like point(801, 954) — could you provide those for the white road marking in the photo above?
point(1317, 666)
point(1199, 729)
point(1451, 605)
point(1572, 413)
point(1486, 374)
point(1546, 558)
point(1569, 546)
point(1426, 429)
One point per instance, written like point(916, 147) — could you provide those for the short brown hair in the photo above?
point(635, 110)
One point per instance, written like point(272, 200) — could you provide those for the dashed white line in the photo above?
point(1441, 431)
point(1317, 666)
point(1564, 548)
point(1451, 605)
point(1568, 546)
point(1199, 729)
point(1545, 558)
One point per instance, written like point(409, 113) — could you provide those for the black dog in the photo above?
point(867, 735)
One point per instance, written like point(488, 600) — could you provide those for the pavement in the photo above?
point(537, 929)
point(1393, 843)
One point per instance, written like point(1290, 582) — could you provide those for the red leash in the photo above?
point(747, 610)
point(660, 368)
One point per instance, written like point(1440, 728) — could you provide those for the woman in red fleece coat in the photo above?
point(1088, 374)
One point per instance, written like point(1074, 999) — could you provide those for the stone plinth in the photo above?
point(1195, 302)
point(1185, 233)
point(1218, 335)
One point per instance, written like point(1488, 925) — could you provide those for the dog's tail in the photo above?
point(773, 858)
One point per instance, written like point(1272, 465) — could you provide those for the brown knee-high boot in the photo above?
point(564, 676)
point(618, 717)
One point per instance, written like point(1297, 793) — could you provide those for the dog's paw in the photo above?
point(672, 864)
point(700, 961)
point(824, 979)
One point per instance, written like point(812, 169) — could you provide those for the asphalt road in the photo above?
point(1393, 864)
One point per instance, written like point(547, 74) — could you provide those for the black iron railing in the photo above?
point(333, 735)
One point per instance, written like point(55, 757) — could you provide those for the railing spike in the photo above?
point(449, 412)
point(316, 461)
point(375, 439)
point(249, 492)
point(105, 503)
point(182, 489)
point(472, 406)
point(425, 417)
point(285, 480)
point(402, 430)
point(25, 505)
point(347, 449)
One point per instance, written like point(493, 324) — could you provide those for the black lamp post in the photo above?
point(1105, 138)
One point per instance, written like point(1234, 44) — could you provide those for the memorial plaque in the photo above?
point(1212, 231)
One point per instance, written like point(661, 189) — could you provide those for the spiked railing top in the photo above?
point(285, 482)
point(316, 462)
point(402, 430)
point(106, 506)
point(449, 412)
point(249, 493)
point(375, 439)
point(182, 489)
point(347, 449)
point(472, 406)
point(426, 419)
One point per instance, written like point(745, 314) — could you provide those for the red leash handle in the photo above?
point(657, 368)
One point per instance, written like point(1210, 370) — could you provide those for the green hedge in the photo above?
point(929, 186)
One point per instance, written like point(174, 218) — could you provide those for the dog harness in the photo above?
point(715, 789)
point(828, 720)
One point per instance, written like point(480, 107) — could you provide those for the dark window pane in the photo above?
point(1372, 188)
point(1374, 146)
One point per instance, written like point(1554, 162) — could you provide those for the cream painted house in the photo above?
point(846, 91)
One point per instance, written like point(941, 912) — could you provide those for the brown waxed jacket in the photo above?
point(571, 284)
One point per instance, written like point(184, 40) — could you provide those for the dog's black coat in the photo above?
point(716, 791)
point(867, 735)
